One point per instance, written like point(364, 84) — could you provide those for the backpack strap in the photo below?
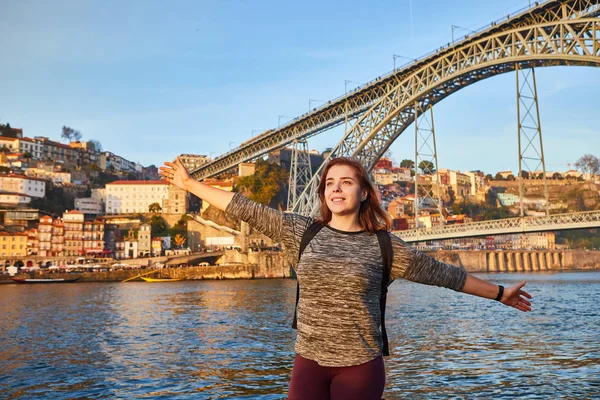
point(387, 254)
point(307, 236)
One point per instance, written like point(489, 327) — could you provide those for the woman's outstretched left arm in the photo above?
point(415, 266)
point(513, 296)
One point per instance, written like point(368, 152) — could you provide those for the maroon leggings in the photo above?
point(310, 381)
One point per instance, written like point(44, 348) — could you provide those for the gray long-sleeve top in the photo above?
point(340, 276)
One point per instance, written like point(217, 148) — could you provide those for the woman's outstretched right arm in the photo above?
point(176, 174)
point(282, 227)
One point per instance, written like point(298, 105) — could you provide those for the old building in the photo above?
point(13, 183)
point(13, 244)
point(144, 240)
point(125, 197)
point(73, 226)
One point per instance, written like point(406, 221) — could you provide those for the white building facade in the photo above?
point(33, 187)
point(125, 197)
point(89, 206)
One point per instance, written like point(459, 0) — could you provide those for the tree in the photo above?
point(427, 167)
point(4, 149)
point(589, 165)
point(406, 163)
point(557, 176)
point(510, 177)
point(179, 240)
point(154, 208)
point(525, 174)
point(267, 184)
point(70, 134)
point(457, 209)
point(499, 177)
point(489, 177)
point(94, 145)
point(157, 225)
point(6, 130)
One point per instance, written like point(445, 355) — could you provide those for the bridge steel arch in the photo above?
point(565, 42)
point(556, 32)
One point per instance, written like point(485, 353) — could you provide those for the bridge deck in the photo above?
point(578, 220)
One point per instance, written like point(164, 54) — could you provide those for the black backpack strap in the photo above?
point(307, 236)
point(387, 254)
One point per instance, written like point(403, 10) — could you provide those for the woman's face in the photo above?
point(343, 193)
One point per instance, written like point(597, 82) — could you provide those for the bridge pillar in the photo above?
point(426, 157)
point(526, 261)
point(518, 261)
point(542, 258)
point(535, 265)
point(531, 151)
point(300, 171)
point(511, 261)
point(556, 261)
point(491, 261)
point(501, 261)
point(548, 259)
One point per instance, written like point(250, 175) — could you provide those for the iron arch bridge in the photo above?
point(549, 34)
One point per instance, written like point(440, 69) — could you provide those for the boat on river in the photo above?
point(162, 279)
point(44, 280)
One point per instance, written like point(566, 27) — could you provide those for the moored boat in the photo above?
point(162, 279)
point(44, 280)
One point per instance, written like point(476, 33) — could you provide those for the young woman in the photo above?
point(339, 342)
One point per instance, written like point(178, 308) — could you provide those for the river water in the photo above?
point(232, 339)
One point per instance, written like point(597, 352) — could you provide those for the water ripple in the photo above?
point(232, 339)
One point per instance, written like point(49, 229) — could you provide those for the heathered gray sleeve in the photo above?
point(285, 228)
point(418, 267)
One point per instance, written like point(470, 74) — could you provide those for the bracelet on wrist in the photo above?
point(500, 293)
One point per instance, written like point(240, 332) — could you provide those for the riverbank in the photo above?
point(273, 266)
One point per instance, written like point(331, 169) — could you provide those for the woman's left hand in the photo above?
point(515, 296)
point(175, 174)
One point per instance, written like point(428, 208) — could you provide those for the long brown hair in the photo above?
point(371, 216)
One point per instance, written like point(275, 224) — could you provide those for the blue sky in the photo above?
point(153, 79)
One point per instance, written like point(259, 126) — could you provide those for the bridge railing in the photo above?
point(508, 225)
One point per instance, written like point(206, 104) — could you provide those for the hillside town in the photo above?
point(79, 202)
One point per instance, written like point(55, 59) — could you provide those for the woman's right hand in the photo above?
point(175, 174)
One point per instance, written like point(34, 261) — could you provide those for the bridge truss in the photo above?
point(579, 220)
point(549, 34)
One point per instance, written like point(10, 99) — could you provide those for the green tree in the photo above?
point(457, 209)
point(406, 163)
point(4, 149)
point(70, 134)
point(94, 145)
point(27, 156)
point(499, 177)
point(588, 165)
point(557, 176)
point(266, 186)
point(154, 208)
point(157, 225)
point(489, 177)
point(510, 177)
point(6, 130)
point(427, 167)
